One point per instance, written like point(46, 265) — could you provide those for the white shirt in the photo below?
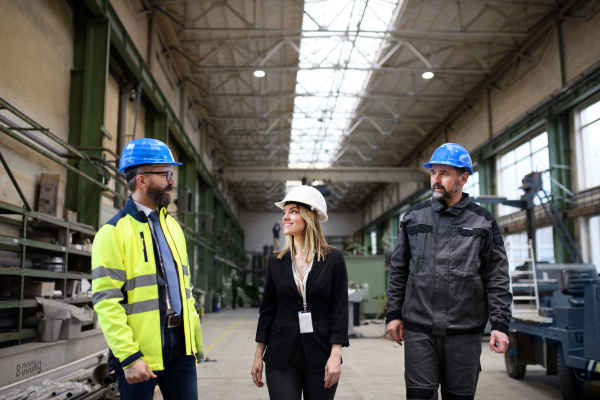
point(147, 211)
point(296, 277)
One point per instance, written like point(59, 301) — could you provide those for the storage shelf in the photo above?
point(26, 303)
point(24, 334)
point(77, 300)
point(37, 273)
point(29, 303)
point(42, 245)
point(44, 220)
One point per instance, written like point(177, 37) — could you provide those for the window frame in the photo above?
point(579, 178)
point(498, 164)
point(478, 183)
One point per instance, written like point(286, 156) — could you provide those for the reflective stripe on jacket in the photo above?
point(449, 270)
point(126, 292)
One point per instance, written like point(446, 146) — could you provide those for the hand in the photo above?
point(396, 331)
point(498, 342)
point(257, 368)
point(138, 372)
point(333, 370)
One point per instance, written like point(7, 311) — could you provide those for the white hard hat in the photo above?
point(309, 196)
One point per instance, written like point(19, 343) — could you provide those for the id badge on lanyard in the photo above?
point(304, 317)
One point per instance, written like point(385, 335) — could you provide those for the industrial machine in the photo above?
point(556, 307)
point(563, 339)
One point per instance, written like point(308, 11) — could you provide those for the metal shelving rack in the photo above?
point(23, 245)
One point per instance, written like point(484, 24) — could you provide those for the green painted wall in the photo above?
point(369, 270)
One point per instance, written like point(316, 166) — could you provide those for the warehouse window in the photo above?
point(545, 244)
point(472, 185)
point(589, 128)
point(516, 247)
point(374, 242)
point(531, 156)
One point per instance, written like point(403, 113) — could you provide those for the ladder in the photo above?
point(529, 281)
point(559, 227)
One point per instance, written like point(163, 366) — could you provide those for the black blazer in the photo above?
point(326, 298)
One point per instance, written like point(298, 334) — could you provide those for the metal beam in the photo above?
point(407, 33)
point(337, 174)
point(297, 38)
point(222, 69)
point(287, 133)
point(352, 116)
point(331, 94)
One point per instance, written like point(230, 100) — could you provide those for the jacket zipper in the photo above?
point(144, 246)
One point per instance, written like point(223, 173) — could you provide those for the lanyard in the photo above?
point(301, 283)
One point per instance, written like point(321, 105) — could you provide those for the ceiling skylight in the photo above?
point(328, 104)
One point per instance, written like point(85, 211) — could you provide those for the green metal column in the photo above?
point(367, 242)
point(187, 177)
point(206, 258)
point(394, 230)
point(380, 238)
point(486, 179)
point(157, 127)
point(86, 113)
point(559, 149)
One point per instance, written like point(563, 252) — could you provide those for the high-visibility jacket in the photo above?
point(127, 291)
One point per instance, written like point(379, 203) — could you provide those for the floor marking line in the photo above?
point(213, 344)
point(212, 319)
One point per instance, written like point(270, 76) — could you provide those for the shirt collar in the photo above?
point(440, 207)
point(146, 210)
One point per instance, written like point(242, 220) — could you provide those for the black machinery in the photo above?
point(561, 332)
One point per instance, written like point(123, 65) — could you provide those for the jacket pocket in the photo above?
point(468, 245)
point(324, 330)
point(484, 233)
point(419, 241)
point(277, 326)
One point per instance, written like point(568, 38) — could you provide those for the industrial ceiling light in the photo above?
point(427, 75)
point(259, 73)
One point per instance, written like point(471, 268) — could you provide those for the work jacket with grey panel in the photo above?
point(449, 270)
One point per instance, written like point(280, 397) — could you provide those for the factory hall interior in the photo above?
point(287, 199)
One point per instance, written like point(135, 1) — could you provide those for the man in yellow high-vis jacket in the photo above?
point(141, 286)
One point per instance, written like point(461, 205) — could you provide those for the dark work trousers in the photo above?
point(449, 361)
point(177, 381)
point(296, 378)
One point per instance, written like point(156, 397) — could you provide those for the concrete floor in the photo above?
point(372, 369)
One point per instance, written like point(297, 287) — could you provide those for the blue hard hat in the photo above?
point(146, 151)
point(451, 154)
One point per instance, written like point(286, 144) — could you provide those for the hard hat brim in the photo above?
point(322, 216)
point(430, 164)
point(122, 170)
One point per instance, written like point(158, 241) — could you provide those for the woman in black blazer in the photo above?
point(308, 361)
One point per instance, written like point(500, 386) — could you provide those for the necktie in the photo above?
point(168, 263)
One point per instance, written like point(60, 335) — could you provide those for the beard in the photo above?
point(445, 194)
point(158, 194)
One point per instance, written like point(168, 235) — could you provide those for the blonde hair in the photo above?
point(314, 242)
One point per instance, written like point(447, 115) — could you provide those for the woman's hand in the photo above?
point(333, 369)
point(257, 365)
point(257, 369)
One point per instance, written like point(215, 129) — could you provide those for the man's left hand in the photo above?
point(498, 342)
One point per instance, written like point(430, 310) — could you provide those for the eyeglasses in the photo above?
point(168, 174)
